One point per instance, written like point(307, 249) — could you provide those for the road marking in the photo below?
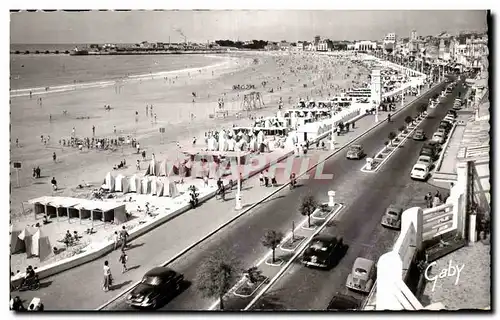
point(396, 148)
point(270, 252)
point(289, 262)
point(330, 155)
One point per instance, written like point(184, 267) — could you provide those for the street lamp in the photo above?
point(332, 140)
point(238, 190)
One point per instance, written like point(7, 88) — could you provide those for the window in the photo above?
point(360, 271)
point(152, 281)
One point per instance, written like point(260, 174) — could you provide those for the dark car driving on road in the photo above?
point(157, 285)
point(355, 152)
point(323, 251)
point(343, 302)
point(419, 135)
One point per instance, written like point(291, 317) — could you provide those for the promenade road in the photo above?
point(303, 288)
point(243, 237)
point(80, 287)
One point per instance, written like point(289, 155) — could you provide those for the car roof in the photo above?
point(424, 156)
point(355, 146)
point(363, 263)
point(393, 207)
point(420, 165)
point(345, 301)
point(419, 131)
point(439, 133)
point(324, 238)
point(160, 271)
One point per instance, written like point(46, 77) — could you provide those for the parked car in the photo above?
point(420, 171)
point(343, 302)
point(156, 286)
point(419, 135)
point(438, 137)
point(392, 217)
point(449, 118)
point(457, 107)
point(355, 152)
point(323, 251)
point(452, 113)
point(443, 131)
point(431, 150)
point(362, 275)
point(445, 124)
point(425, 160)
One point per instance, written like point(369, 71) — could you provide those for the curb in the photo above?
point(249, 208)
point(180, 254)
point(396, 148)
point(289, 262)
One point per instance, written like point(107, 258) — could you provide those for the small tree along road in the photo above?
point(271, 240)
point(307, 207)
point(216, 275)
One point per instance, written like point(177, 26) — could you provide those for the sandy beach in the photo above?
point(174, 100)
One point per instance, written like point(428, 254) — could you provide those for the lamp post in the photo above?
point(238, 190)
point(332, 140)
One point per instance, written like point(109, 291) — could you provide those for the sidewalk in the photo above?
point(83, 284)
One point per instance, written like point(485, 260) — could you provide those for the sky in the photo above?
point(202, 26)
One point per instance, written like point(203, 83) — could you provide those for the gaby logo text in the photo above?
point(450, 271)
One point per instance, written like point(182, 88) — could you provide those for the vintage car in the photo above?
point(425, 160)
point(420, 171)
point(323, 251)
point(452, 113)
point(438, 137)
point(431, 150)
point(157, 285)
point(355, 152)
point(419, 135)
point(361, 276)
point(392, 217)
point(343, 302)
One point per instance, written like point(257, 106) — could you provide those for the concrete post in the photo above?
point(414, 216)
point(331, 198)
point(238, 205)
point(472, 229)
point(389, 270)
point(369, 163)
point(332, 140)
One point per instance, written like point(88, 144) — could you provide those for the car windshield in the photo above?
point(392, 213)
point(318, 245)
point(425, 160)
point(355, 148)
point(360, 271)
point(152, 281)
point(418, 169)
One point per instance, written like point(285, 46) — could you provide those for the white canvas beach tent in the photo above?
point(40, 245)
point(110, 182)
point(135, 184)
point(119, 182)
point(153, 185)
point(160, 187)
point(26, 237)
point(145, 185)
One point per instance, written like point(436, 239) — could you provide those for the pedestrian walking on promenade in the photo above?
point(266, 178)
point(123, 260)
point(389, 117)
point(428, 199)
point(93, 130)
point(116, 239)
point(108, 278)
point(123, 237)
point(54, 157)
point(261, 178)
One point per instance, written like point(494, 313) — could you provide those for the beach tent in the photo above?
point(16, 244)
point(135, 184)
point(145, 185)
point(110, 182)
point(169, 188)
point(163, 170)
point(151, 171)
point(125, 185)
point(119, 182)
point(152, 190)
point(26, 237)
point(40, 245)
point(159, 187)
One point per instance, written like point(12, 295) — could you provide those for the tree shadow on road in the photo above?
point(270, 302)
point(45, 284)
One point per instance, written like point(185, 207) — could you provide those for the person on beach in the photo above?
point(138, 165)
point(108, 278)
point(17, 142)
point(123, 260)
point(53, 182)
point(54, 157)
point(114, 129)
point(93, 130)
